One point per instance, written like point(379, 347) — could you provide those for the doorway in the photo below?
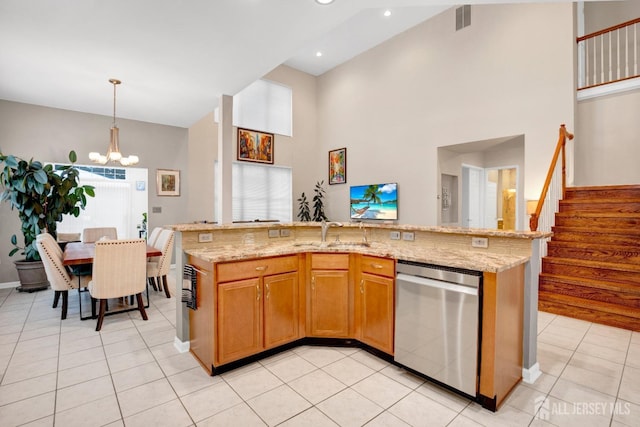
point(491, 183)
point(489, 197)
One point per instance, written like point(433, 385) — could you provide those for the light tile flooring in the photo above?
point(63, 373)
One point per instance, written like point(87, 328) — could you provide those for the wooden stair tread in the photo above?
point(595, 232)
point(602, 201)
point(588, 214)
point(592, 283)
point(587, 193)
point(588, 304)
point(589, 245)
point(611, 319)
point(594, 264)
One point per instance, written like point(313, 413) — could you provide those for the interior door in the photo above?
point(472, 200)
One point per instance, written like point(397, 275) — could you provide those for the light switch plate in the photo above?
point(205, 237)
point(285, 232)
point(408, 235)
point(274, 233)
point(479, 242)
point(394, 235)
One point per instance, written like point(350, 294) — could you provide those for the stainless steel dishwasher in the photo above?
point(437, 323)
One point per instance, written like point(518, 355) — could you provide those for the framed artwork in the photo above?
point(338, 166)
point(255, 146)
point(168, 182)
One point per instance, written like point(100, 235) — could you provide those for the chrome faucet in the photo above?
point(325, 228)
point(364, 233)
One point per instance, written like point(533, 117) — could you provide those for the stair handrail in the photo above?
point(560, 148)
point(623, 67)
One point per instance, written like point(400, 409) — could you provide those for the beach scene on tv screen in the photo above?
point(378, 201)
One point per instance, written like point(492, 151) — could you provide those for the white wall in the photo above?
point(432, 86)
point(48, 134)
point(298, 151)
point(606, 143)
point(602, 14)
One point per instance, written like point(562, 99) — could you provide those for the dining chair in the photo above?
point(68, 237)
point(119, 270)
point(59, 278)
point(153, 237)
point(90, 235)
point(158, 267)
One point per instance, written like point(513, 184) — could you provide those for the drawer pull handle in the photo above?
point(362, 286)
point(266, 295)
point(261, 268)
point(258, 292)
point(376, 265)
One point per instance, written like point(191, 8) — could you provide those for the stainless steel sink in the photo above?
point(332, 244)
point(309, 244)
point(348, 245)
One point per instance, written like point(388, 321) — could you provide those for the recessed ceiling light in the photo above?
point(318, 53)
point(324, 1)
point(387, 12)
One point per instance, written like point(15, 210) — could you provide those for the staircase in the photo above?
point(592, 269)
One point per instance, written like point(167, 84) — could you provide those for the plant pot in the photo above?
point(32, 275)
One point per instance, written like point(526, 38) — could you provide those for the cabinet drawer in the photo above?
point(380, 266)
point(329, 261)
point(229, 271)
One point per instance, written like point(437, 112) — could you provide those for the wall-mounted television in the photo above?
point(377, 201)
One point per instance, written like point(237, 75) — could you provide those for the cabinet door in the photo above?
point(239, 319)
point(376, 295)
point(280, 309)
point(329, 303)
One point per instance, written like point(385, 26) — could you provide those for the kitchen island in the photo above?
point(285, 287)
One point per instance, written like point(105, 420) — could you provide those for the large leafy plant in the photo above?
point(41, 195)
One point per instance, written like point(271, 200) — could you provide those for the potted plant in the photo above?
point(304, 214)
point(41, 195)
point(318, 202)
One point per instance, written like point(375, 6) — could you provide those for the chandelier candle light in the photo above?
point(113, 153)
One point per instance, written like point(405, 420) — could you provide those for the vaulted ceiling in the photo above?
point(175, 58)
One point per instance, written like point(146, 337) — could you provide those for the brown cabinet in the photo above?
point(259, 312)
point(201, 321)
point(329, 303)
point(239, 319)
point(281, 309)
point(375, 302)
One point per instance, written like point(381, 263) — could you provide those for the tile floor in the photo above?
point(63, 373)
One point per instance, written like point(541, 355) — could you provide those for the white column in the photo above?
point(225, 158)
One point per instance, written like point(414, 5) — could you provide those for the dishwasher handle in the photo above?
point(447, 286)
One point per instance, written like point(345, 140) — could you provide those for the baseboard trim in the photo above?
point(530, 375)
point(7, 285)
point(181, 346)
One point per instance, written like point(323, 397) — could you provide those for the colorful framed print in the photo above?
point(168, 182)
point(255, 146)
point(338, 166)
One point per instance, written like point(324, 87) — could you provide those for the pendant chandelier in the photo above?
point(113, 153)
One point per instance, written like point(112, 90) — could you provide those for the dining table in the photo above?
point(77, 253)
point(78, 256)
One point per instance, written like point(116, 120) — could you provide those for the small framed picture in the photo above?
point(168, 182)
point(338, 166)
point(255, 146)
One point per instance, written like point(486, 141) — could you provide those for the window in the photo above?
point(119, 201)
point(265, 106)
point(260, 192)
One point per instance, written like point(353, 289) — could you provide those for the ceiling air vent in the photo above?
point(463, 16)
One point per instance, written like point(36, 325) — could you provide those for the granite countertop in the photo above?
point(473, 260)
point(521, 234)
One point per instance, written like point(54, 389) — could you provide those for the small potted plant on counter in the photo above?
point(41, 195)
